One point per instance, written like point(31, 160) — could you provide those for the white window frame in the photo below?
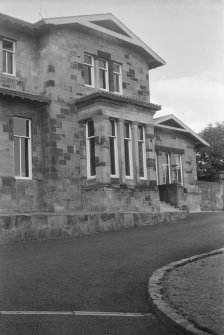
point(116, 175)
point(13, 57)
point(143, 152)
point(157, 167)
point(180, 165)
point(167, 164)
point(88, 153)
point(129, 139)
point(120, 78)
point(105, 70)
point(92, 69)
point(29, 150)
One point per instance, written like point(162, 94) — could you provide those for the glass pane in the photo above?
point(90, 128)
point(141, 165)
point(8, 45)
point(116, 82)
point(126, 130)
point(4, 61)
point(24, 158)
point(16, 157)
point(102, 79)
point(116, 68)
point(92, 157)
point(9, 63)
point(167, 158)
point(140, 133)
point(112, 156)
point(127, 158)
point(112, 123)
point(21, 126)
point(102, 64)
point(87, 59)
point(166, 177)
point(179, 176)
point(87, 75)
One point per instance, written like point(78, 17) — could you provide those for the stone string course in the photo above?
point(35, 226)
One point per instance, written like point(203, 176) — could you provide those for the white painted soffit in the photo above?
point(158, 123)
point(89, 21)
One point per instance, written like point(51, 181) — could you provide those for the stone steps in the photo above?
point(166, 207)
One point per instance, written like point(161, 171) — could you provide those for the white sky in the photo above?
point(187, 34)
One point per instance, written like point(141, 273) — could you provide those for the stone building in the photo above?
point(77, 128)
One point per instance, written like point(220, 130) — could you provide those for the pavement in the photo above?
point(191, 294)
point(68, 286)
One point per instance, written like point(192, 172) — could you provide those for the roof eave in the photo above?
point(24, 95)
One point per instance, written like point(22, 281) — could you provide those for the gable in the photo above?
point(110, 25)
point(172, 123)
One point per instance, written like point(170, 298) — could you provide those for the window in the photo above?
point(90, 145)
point(117, 85)
point(8, 48)
point(103, 75)
point(166, 169)
point(88, 70)
point(177, 169)
point(128, 150)
point(157, 168)
point(113, 149)
point(22, 148)
point(141, 152)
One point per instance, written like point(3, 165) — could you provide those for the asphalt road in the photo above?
point(106, 272)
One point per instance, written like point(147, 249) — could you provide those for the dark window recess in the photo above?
point(127, 159)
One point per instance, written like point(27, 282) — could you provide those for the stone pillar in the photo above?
point(121, 159)
point(150, 154)
point(102, 148)
point(134, 129)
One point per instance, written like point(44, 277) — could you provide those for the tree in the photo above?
point(211, 159)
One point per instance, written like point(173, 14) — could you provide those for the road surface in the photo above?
point(106, 272)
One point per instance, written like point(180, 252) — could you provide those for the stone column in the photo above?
point(121, 158)
point(136, 173)
point(150, 154)
point(102, 148)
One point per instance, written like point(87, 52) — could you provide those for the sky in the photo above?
point(187, 34)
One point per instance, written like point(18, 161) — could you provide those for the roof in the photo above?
point(102, 23)
point(24, 95)
point(172, 122)
point(101, 96)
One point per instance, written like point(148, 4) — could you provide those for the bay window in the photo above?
point(90, 146)
point(141, 152)
point(128, 151)
point(113, 149)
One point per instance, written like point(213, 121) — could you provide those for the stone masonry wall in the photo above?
point(212, 195)
point(16, 194)
point(65, 57)
point(26, 61)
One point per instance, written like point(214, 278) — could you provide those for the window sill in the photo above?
point(23, 178)
point(91, 177)
point(9, 74)
point(91, 86)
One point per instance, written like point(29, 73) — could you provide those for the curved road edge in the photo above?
point(168, 315)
